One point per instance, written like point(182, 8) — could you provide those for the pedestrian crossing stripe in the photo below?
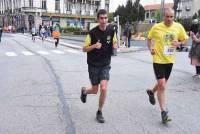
point(57, 51)
point(43, 52)
point(27, 53)
point(72, 51)
point(11, 54)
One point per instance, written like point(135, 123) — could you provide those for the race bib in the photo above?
point(168, 50)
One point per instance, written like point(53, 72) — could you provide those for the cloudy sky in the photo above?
point(115, 3)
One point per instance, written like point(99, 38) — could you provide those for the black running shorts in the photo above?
point(97, 74)
point(162, 70)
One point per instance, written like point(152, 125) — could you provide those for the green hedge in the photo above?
point(69, 29)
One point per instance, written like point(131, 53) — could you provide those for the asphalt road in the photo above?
point(40, 92)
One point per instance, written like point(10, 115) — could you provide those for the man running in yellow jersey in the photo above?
point(99, 44)
point(163, 39)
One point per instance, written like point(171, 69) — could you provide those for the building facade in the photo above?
point(187, 8)
point(150, 11)
point(25, 13)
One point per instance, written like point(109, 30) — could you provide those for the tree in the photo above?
point(110, 17)
point(158, 15)
point(131, 12)
point(186, 22)
point(199, 13)
point(195, 16)
point(122, 13)
point(139, 10)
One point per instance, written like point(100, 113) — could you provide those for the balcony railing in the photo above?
point(33, 9)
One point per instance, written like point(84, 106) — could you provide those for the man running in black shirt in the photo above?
point(99, 44)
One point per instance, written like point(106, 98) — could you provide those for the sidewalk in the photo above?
point(81, 38)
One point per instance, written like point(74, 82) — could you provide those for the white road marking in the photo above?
point(27, 53)
point(43, 52)
point(11, 54)
point(72, 51)
point(57, 51)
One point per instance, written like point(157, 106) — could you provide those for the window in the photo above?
point(147, 15)
point(152, 14)
point(44, 4)
point(57, 5)
point(68, 6)
point(30, 3)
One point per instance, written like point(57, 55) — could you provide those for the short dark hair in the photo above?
point(100, 12)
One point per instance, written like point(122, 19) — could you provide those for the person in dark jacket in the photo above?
point(127, 34)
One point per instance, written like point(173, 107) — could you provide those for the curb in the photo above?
point(78, 40)
point(52, 41)
point(120, 50)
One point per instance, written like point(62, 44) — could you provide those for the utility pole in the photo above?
point(162, 7)
point(118, 32)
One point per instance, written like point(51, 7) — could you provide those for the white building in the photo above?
point(25, 13)
point(187, 8)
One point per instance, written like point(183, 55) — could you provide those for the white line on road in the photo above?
point(43, 52)
point(57, 51)
point(72, 51)
point(11, 54)
point(27, 53)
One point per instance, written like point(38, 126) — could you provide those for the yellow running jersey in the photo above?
point(163, 37)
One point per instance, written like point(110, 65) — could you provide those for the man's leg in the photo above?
point(158, 71)
point(102, 97)
point(161, 93)
point(129, 42)
point(161, 99)
point(92, 90)
point(56, 42)
point(150, 93)
point(104, 78)
point(198, 70)
point(94, 79)
point(84, 92)
point(155, 88)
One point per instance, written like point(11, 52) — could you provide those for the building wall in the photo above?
point(63, 22)
point(195, 6)
point(51, 6)
point(83, 9)
point(187, 8)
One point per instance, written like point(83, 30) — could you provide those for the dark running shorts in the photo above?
point(97, 74)
point(162, 70)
